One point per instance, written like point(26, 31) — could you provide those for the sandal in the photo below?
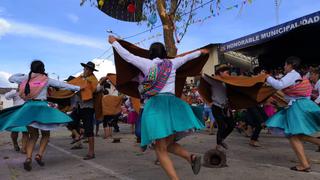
point(195, 163)
point(295, 168)
point(88, 157)
point(27, 164)
point(38, 158)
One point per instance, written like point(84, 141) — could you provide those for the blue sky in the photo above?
point(63, 34)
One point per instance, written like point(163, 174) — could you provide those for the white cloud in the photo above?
point(4, 27)
point(73, 18)
point(30, 30)
point(4, 83)
point(103, 66)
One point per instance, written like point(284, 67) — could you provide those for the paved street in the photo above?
point(125, 161)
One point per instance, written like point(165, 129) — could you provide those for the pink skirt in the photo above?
point(269, 110)
point(132, 117)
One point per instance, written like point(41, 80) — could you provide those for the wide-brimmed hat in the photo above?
point(89, 65)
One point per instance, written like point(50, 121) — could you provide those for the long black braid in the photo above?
point(37, 66)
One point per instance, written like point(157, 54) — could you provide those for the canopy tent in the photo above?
point(299, 37)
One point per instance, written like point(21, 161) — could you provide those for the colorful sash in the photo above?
point(36, 83)
point(302, 89)
point(156, 79)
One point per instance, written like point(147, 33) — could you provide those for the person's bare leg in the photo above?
point(310, 139)
point(176, 149)
point(298, 148)
point(106, 131)
point(33, 137)
point(165, 161)
point(45, 135)
point(25, 137)
point(97, 129)
point(76, 134)
point(110, 131)
point(14, 138)
point(91, 146)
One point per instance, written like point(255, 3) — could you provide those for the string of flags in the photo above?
point(149, 38)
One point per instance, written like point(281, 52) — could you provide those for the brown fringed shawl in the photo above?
point(126, 72)
point(135, 101)
point(242, 92)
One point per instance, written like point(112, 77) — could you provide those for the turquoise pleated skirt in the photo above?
point(38, 113)
point(164, 115)
point(302, 117)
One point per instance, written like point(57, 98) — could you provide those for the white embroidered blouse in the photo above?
point(145, 64)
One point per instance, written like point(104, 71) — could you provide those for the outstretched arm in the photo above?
point(17, 78)
point(63, 85)
point(288, 80)
point(140, 62)
point(179, 61)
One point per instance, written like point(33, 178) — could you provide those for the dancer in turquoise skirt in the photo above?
point(301, 119)
point(165, 117)
point(35, 113)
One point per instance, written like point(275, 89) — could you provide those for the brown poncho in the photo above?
point(242, 92)
point(126, 72)
point(135, 101)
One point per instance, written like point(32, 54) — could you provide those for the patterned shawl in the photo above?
point(156, 79)
point(302, 89)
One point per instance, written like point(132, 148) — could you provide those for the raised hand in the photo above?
point(204, 51)
point(112, 39)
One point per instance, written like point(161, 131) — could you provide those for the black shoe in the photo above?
point(195, 163)
point(294, 168)
point(27, 164)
